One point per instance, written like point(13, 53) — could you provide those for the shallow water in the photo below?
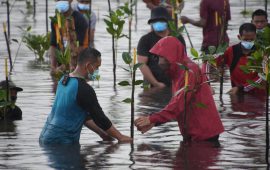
point(242, 144)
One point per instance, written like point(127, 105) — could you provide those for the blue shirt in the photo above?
point(74, 102)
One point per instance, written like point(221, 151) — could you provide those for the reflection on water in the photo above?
point(242, 145)
point(64, 156)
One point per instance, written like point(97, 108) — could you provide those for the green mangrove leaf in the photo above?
point(138, 82)
point(254, 84)
point(182, 67)
point(136, 66)
point(194, 52)
point(212, 49)
point(110, 30)
point(126, 57)
point(124, 83)
point(221, 48)
point(127, 100)
point(201, 105)
point(15, 40)
point(245, 69)
point(125, 69)
point(108, 23)
point(181, 29)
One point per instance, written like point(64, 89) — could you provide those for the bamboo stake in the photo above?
point(114, 63)
point(46, 11)
point(34, 4)
point(132, 94)
point(185, 136)
point(267, 114)
point(266, 5)
point(129, 26)
point(8, 19)
point(267, 124)
point(8, 47)
point(7, 85)
point(89, 23)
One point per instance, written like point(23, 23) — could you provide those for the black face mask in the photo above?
point(13, 98)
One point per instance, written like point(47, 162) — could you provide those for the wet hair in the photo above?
point(88, 54)
point(259, 12)
point(248, 27)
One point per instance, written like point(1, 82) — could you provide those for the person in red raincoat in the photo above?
point(199, 120)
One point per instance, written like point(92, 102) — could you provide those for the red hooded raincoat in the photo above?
point(201, 122)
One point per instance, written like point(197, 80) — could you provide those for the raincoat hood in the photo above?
point(171, 49)
point(174, 51)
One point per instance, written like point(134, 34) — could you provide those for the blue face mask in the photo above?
point(160, 26)
point(62, 6)
point(94, 75)
point(83, 7)
point(247, 44)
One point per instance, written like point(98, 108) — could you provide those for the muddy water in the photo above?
point(242, 144)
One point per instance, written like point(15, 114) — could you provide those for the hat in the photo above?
point(3, 85)
point(159, 14)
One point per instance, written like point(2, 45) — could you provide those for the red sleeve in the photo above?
point(176, 106)
point(204, 9)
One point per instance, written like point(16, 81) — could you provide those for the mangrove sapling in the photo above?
point(115, 23)
point(38, 44)
point(210, 56)
point(133, 66)
point(63, 58)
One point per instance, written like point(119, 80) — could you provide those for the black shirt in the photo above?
point(145, 44)
point(80, 28)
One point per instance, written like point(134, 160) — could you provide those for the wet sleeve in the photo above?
point(87, 99)
point(176, 106)
point(143, 46)
point(53, 36)
point(81, 27)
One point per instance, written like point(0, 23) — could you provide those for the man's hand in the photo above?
point(185, 20)
point(55, 71)
point(234, 90)
point(125, 139)
point(143, 124)
point(145, 128)
point(159, 85)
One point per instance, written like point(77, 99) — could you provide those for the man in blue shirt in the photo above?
point(76, 104)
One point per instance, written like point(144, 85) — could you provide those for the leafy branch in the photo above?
point(132, 68)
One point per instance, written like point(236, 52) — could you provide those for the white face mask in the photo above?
point(62, 6)
point(247, 44)
point(83, 7)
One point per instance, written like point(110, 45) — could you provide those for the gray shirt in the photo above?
point(93, 16)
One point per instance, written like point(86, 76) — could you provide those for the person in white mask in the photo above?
point(237, 56)
point(85, 8)
point(152, 73)
point(72, 33)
